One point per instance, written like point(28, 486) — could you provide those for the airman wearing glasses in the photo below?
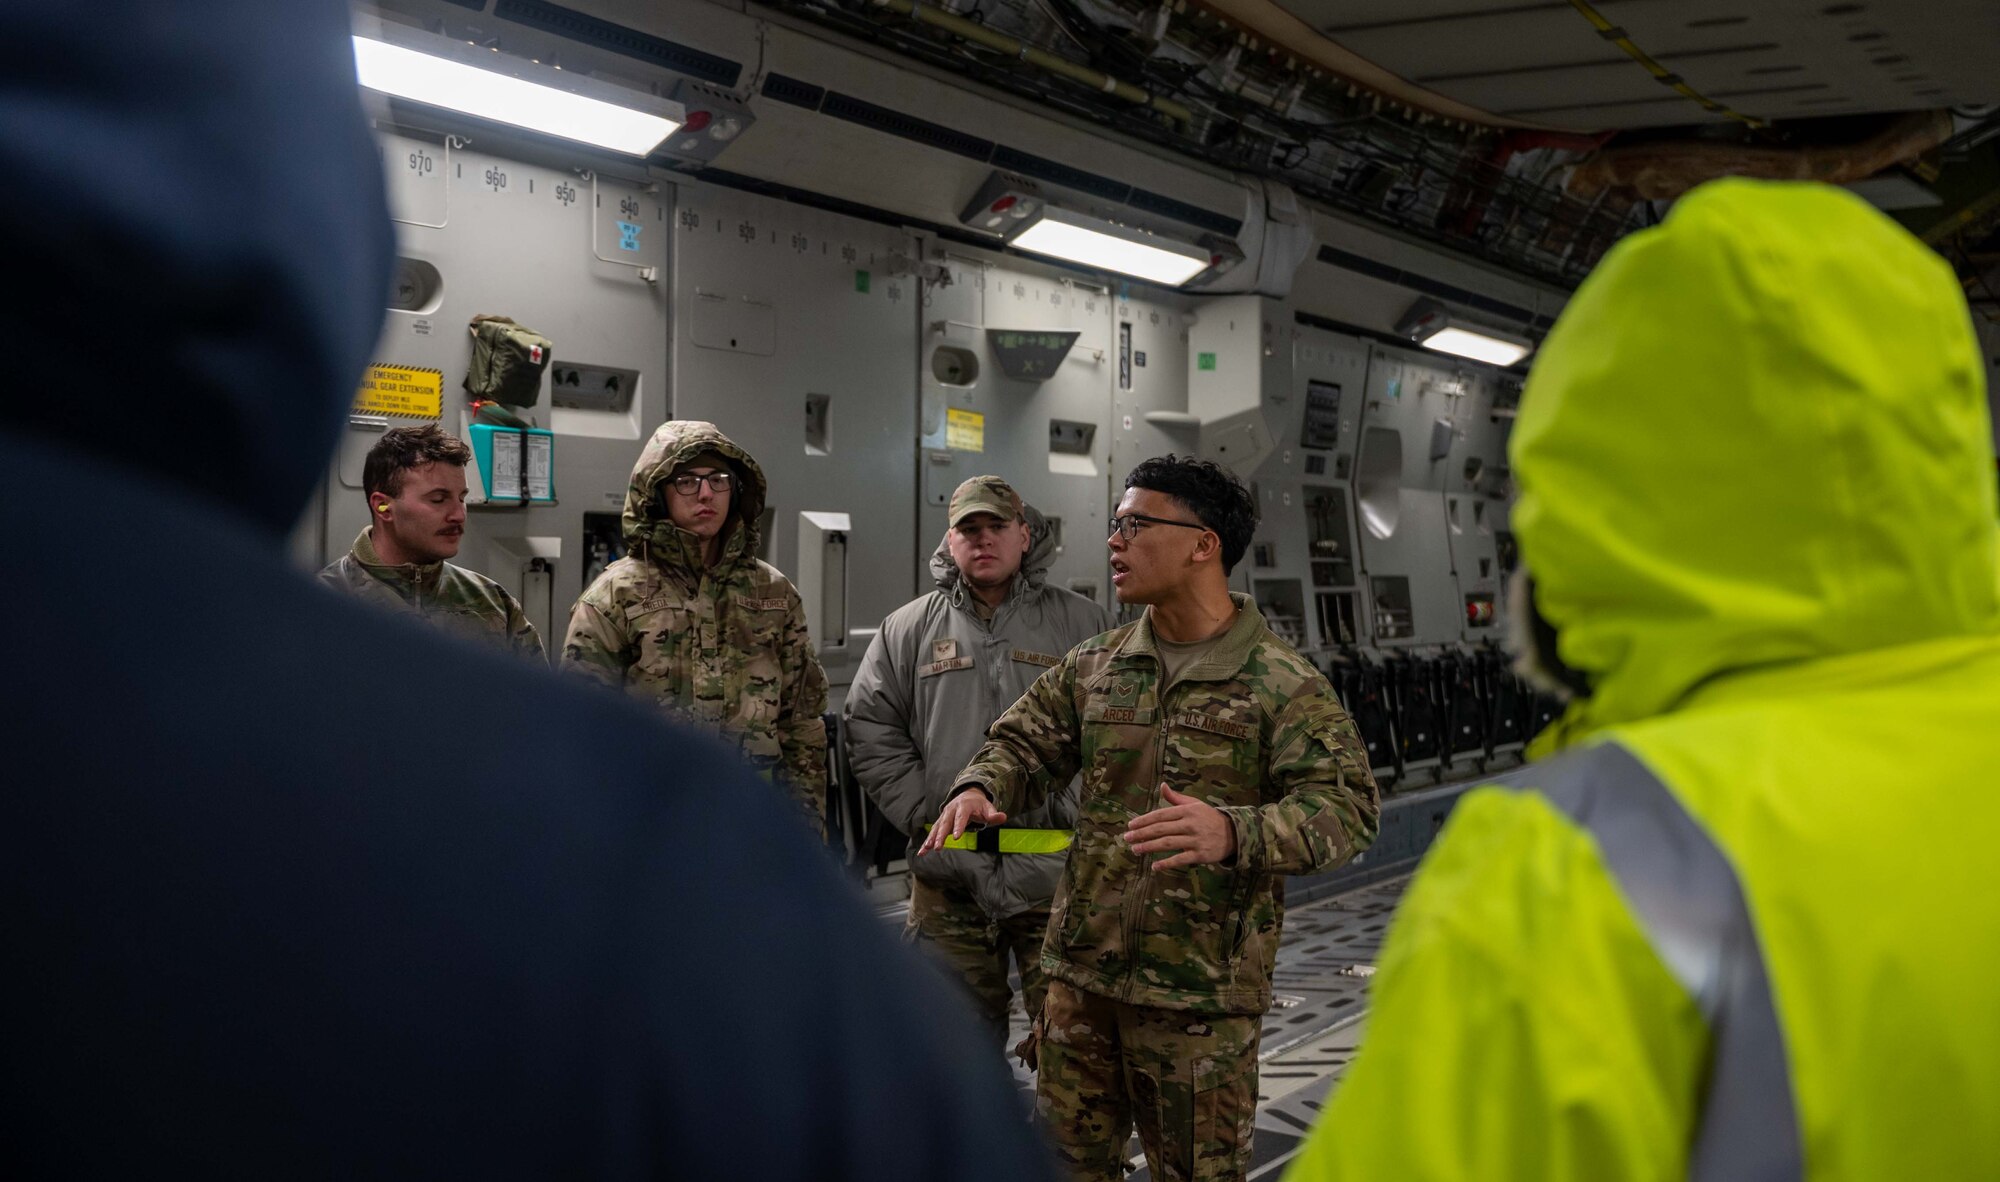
point(1215, 760)
point(692, 621)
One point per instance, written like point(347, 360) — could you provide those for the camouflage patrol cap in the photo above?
point(706, 459)
point(984, 494)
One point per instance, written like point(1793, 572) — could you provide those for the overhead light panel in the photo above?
point(489, 85)
point(1479, 346)
point(1016, 210)
point(1432, 325)
point(1058, 233)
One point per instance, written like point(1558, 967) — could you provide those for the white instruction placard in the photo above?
point(506, 482)
point(541, 467)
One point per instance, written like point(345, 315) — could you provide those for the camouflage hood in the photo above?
point(1034, 570)
point(650, 535)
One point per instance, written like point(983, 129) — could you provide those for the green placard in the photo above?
point(861, 282)
point(1205, 361)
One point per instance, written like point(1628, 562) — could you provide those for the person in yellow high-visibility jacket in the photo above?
point(1740, 924)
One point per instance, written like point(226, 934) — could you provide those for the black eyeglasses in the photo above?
point(687, 482)
point(1127, 525)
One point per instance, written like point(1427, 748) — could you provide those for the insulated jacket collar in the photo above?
point(1222, 662)
point(1757, 435)
point(1035, 564)
point(650, 534)
point(408, 578)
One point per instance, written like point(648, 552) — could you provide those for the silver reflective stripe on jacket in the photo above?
point(1688, 900)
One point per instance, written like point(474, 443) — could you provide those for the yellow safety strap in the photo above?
point(1617, 36)
point(1011, 841)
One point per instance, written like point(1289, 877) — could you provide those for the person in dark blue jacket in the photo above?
point(236, 947)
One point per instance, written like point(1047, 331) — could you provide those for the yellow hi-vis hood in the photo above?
point(1759, 434)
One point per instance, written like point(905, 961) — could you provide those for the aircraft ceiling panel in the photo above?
point(1547, 64)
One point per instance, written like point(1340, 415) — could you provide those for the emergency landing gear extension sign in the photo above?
point(408, 391)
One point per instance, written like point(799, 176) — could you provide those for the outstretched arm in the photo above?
point(1030, 751)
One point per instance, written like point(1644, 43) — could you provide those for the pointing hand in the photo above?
point(971, 808)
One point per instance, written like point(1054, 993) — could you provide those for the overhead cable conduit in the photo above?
point(1660, 172)
point(979, 34)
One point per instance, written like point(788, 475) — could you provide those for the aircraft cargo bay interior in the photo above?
point(1086, 589)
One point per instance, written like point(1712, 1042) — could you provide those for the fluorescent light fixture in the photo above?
point(1463, 342)
point(1432, 325)
point(1017, 211)
point(1111, 247)
point(497, 91)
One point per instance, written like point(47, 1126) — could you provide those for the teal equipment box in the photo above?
point(515, 464)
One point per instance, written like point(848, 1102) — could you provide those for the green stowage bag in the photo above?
point(507, 361)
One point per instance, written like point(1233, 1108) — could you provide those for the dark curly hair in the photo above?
point(1212, 493)
point(403, 448)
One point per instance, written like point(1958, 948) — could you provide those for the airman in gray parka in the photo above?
point(941, 669)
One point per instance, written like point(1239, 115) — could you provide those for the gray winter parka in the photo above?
point(934, 678)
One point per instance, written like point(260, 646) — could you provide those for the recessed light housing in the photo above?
point(417, 67)
point(1017, 211)
point(1432, 325)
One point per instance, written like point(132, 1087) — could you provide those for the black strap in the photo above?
point(522, 434)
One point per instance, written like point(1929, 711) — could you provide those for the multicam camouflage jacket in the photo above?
point(723, 647)
point(1253, 729)
point(450, 597)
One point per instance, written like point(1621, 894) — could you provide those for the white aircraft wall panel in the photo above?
point(1408, 427)
point(1478, 491)
point(1303, 562)
point(1149, 392)
point(521, 239)
point(1239, 378)
point(1305, 533)
point(795, 334)
point(1049, 436)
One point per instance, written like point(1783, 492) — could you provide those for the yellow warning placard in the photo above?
point(964, 430)
point(401, 390)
